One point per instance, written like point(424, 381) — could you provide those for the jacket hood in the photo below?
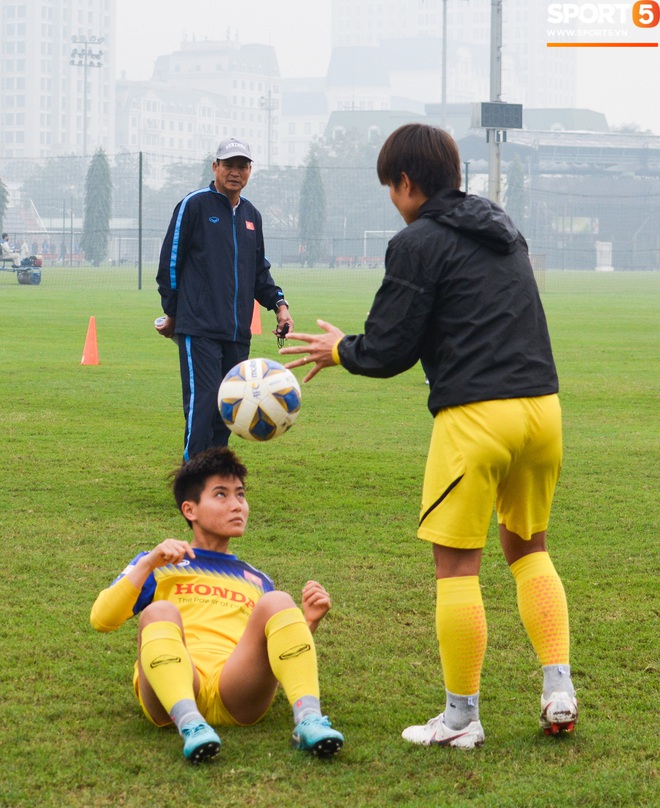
point(477, 218)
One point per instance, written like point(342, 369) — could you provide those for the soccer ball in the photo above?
point(259, 399)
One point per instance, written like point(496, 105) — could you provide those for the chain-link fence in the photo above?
point(593, 222)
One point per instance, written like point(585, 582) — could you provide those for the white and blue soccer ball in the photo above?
point(259, 399)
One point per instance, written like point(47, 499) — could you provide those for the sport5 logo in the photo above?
point(644, 13)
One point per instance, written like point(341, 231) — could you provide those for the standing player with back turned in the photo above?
point(459, 295)
point(212, 268)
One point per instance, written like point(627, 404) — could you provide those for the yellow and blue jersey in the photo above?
point(214, 592)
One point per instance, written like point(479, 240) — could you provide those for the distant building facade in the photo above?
point(49, 105)
point(304, 118)
point(173, 123)
point(247, 77)
point(386, 57)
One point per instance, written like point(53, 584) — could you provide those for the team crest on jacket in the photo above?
point(213, 219)
point(249, 225)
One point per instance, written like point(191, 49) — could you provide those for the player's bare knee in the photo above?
point(273, 602)
point(159, 610)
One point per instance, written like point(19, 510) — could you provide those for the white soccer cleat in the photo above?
point(559, 713)
point(436, 733)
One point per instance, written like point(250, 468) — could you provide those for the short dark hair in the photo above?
point(189, 479)
point(427, 154)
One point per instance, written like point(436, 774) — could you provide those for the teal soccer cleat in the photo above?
point(200, 741)
point(315, 734)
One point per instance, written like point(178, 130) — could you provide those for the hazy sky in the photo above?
point(298, 29)
point(621, 82)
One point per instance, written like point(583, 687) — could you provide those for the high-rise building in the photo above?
point(243, 85)
point(57, 77)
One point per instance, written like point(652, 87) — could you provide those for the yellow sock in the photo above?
point(542, 606)
point(166, 663)
point(460, 622)
point(292, 654)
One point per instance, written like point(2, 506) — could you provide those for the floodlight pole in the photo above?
point(86, 57)
point(494, 157)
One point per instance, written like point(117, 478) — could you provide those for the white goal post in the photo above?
point(375, 243)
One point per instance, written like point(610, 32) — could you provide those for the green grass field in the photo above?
point(86, 454)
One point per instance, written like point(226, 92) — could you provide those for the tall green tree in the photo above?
point(4, 202)
point(311, 219)
point(98, 207)
point(514, 195)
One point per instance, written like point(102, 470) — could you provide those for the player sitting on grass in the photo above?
point(215, 637)
point(459, 294)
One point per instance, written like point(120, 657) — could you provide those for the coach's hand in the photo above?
point(167, 328)
point(318, 349)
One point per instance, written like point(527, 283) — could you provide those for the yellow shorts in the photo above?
point(208, 700)
point(506, 453)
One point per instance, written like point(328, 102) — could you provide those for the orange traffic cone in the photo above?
point(255, 325)
point(91, 351)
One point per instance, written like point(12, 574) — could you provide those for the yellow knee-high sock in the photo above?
point(460, 621)
point(166, 663)
point(292, 654)
point(542, 606)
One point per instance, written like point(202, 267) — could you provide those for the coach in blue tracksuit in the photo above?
point(212, 267)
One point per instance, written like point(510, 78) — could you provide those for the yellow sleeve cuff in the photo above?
point(114, 605)
point(335, 352)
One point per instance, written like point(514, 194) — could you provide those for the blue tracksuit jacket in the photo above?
point(213, 266)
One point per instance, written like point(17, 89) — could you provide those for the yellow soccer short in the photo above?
point(505, 453)
point(208, 699)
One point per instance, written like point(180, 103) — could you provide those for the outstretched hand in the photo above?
point(316, 603)
point(318, 349)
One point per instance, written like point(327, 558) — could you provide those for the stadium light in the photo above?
point(86, 57)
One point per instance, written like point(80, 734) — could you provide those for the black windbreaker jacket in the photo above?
point(213, 266)
point(459, 294)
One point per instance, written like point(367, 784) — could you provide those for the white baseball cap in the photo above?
point(233, 147)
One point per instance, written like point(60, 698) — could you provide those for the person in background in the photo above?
point(212, 268)
point(9, 252)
